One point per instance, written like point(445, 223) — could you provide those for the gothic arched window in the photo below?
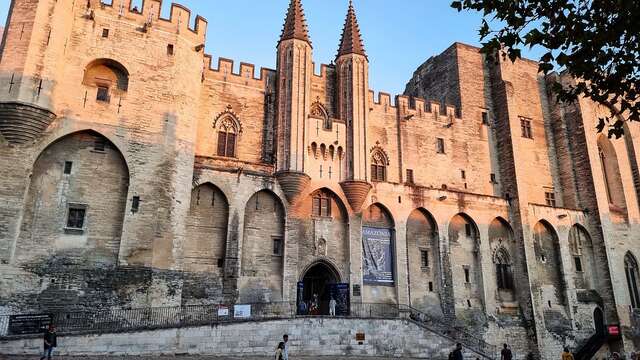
point(504, 274)
point(378, 167)
point(631, 269)
point(227, 135)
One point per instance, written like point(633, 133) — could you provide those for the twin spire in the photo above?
point(295, 27)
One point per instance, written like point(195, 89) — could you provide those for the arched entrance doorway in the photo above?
point(319, 284)
point(598, 321)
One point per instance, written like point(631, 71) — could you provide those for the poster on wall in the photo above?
point(242, 311)
point(378, 256)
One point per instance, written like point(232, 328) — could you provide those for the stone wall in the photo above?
point(307, 337)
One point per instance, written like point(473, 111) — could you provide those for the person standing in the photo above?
point(285, 350)
point(506, 354)
point(50, 342)
point(457, 353)
point(280, 351)
point(567, 355)
point(332, 307)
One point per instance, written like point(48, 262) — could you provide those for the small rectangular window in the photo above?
point(105, 33)
point(75, 218)
point(135, 204)
point(220, 263)
point(463, 174)
point(493, 179)
point(550, 198)
point(99, 145)
point(103, 94)
point(440, 146)
point(578, 261)
point(424, 257)
point(430, 286)
point(277, 247)
point(409, 176)
point(68, 165)
point(525, 126)
point(170, 49)
point(467, 276)
point(485, 118)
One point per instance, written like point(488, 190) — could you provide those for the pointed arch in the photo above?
point(229, 128)
point(263, 239)
point(206, 228)
point(423, 253)
point(581, 248)
point(464, 242)
point(377, 215)
point(501, 241)
point(379, 163)
point(78, 191)
point(611, 174)
point(319, 111)
point(633, 159)
point(633, 279)
point(549, 263)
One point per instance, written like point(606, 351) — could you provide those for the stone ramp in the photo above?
point(309, 337)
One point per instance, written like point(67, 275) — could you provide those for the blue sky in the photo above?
point(399, 35)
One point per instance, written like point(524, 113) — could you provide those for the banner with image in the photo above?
point(377, 264)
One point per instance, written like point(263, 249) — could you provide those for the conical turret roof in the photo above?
point(351, 42)
point(295, 25)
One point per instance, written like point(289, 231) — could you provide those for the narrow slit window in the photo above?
point(68, 165)
point(410, 176)
point(440, 146)
point(105, 33)
point(467, 276)
point(277, 247)
point(424, 257)
point(170, 50)
point(135, 204)
point(578, 262)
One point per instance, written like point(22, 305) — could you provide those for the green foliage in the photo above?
point(597, 42)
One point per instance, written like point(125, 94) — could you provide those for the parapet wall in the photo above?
point(308, 337)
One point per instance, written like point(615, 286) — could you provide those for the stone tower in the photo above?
point(294, 71)
point(352, 68)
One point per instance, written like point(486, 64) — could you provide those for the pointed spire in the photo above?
point(351, 42)
point(295, 25)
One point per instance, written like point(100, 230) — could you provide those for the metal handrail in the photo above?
point(136, 319)
point(441, 327)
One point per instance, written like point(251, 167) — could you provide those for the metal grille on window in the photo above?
point(75, 220)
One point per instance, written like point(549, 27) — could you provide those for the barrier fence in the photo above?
point(126, 320)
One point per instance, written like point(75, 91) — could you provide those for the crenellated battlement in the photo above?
point(225, 67)
point(415, 106)
point(325, 70)
point(149, 16)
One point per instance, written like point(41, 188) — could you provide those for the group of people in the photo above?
point(313, 307)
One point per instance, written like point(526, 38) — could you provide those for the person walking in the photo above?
point(285, 349)
point(280, 351)
point(506, 353)
point(332, 307)
point(50, 342)
point(567, 355)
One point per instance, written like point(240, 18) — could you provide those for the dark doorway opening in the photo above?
point(598, 321)
point(315, 290)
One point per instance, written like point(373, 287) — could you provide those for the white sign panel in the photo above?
point(242, 311)
point(223, 311)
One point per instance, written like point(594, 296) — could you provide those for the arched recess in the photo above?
point(633, 159)
point(76, 202)
point(583, 260)
point(322, 227)
point(503, 247)
point(205, 245)
point(549, 265)
point(106, 73)
point(611, 175)
point(633, 279)
point(263, 248)
point(464, 249)
point(378, 263)
point(424, 261)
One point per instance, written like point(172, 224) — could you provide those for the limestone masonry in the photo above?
point(136, 172)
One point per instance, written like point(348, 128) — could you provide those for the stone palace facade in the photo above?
point(135, 172)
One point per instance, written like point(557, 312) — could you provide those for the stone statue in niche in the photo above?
point(321, 247)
